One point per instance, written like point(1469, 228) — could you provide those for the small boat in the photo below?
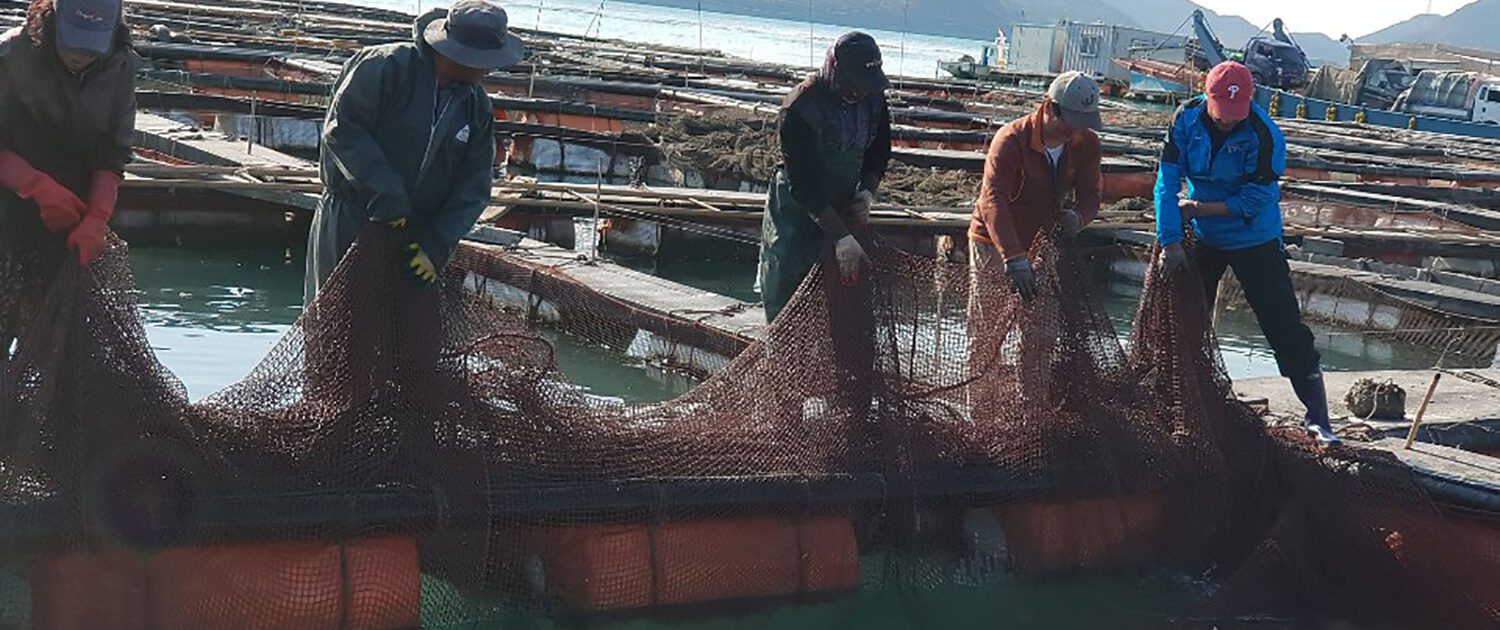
point(1151, 78)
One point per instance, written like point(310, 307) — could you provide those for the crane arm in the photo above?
point(1210, 44)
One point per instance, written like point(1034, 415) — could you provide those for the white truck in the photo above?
point(1459, 95)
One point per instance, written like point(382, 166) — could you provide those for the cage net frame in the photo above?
point(409, 455)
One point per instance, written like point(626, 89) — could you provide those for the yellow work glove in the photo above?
point(419, 266)
point(398, 222)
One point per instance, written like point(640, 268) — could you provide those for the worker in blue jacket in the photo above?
point(1232, 155)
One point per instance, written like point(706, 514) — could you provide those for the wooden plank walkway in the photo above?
point(638, 314)
point(731, 317)
point(177, 140)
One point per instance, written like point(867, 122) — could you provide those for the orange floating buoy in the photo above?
point(718, 560)
point(619, 566)
point(1096, 533)
point(83, 591)
point(835, 566)
point(702, 561)
point(1467, 531)
point(1127, 184)
point(371, 584)
point(254, 587)
point(587, 567)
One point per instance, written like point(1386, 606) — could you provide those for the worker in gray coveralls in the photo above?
point(409, 140)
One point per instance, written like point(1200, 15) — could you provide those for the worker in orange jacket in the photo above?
point(1041, 171)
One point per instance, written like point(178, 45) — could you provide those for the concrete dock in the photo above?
point(1464, 411)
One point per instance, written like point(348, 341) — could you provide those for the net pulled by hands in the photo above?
point(877, 431)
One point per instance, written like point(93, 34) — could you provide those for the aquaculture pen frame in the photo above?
point(1284, 104)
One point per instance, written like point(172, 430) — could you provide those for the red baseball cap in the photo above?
point(1230, 89)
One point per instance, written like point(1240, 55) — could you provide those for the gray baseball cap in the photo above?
point(87, 25)
point(475, 34)
point(1077, 95)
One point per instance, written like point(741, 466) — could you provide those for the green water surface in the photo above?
point(1126, 602)
point(211, 314)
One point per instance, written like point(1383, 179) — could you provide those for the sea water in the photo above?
point(795, 43)
point(212, 314)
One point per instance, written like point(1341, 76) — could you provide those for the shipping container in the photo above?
point(1035, 48)
point(1086, 48)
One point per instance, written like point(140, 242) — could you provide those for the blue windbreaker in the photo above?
point(1243, 174)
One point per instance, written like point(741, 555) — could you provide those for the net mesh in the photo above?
point(408, 456)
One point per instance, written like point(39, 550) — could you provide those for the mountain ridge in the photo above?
point(1471, 26)
point(968, 19)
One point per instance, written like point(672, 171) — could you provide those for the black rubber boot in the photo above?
point(1314, 396)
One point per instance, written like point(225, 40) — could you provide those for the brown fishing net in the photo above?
point(911, 452)
point(743, 148)
point(915, 186)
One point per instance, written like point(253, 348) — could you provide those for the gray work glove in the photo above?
point(1070, 223)
point(850, 255)
point(859, 208)
point(1019, 270)
point(1173, 259)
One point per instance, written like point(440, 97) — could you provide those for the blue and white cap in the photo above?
point(87, 25)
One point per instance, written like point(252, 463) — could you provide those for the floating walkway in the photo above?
point(648, 318)
point(1464, 412)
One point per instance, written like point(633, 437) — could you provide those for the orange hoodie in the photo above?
point(1016, 198)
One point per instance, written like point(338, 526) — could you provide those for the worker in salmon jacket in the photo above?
point(67, 118)
point(409, 140)
point(1042, 171)
point(835, 134)
point(1232, 156)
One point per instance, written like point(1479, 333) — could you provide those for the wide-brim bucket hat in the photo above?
point(475, 34)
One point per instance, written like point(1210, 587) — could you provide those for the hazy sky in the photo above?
point(1355, 17)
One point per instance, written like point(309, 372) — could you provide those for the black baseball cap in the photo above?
point(857, 57)
point(87, 26)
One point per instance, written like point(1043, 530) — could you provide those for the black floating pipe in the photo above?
point(153, 100)
point(232, 82)
point(59, 523)
point(147, 99)
point(52, 523)
point(1456, 494)
point(565, 107)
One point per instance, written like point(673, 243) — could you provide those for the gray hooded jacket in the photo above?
point(389, 151)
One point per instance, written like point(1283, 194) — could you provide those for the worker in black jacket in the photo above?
point(835, 133)
point(67, 120)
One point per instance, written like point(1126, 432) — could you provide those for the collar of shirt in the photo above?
point(1054, 154)
point(1215, 135)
